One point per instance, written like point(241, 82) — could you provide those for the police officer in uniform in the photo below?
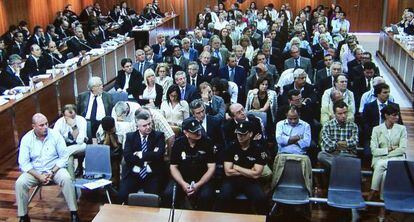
point(243, 165)
point(192, 167)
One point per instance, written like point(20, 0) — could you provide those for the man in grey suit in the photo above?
point(214, 104)
point(218, 52)
point(178, 59)
point(271, 69)
point(297, 61)
point(94, 105)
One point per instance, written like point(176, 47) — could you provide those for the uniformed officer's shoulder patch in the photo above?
point(236, 157)
point(263, 155)
point(202, 151)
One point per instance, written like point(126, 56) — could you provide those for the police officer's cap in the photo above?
point(243, 127)
point(192, 125)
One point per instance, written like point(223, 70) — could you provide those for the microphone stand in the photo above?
point(172, 210)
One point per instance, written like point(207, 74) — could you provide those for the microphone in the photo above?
point(158, 15)
point(54, 58)
point(171, 216)
point(81, 42)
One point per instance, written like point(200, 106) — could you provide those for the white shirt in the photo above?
point(64, 129)
point(133, 106)
point(126, 85)
point(177, 113)
point(149, 93)
point(42, 156)
point(234, 91)
point(100, 111)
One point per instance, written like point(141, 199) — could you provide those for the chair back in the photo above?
point(345, 174)
point(144, 200)
point(292, 175)
point(261, 115)
point(398, 179)
point(119, 96)
point(98, 161)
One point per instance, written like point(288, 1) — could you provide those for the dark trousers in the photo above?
point(132, 183)
point(200, 200)
point(232, 186)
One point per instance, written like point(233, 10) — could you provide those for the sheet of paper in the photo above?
point(97, 184)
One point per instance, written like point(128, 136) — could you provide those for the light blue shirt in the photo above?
point(284, 131)
point(42, 156)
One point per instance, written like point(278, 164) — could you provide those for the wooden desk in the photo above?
point(149, 37)
point(399, 60)
point(15, 116)
point(113, 212)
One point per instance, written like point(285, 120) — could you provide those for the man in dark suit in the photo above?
point(94, 105)
point(61, 30)
point(193, 77)
point(144, 163)
point(38, 38)
point(261, 71)
point(326, 71)
point(188, 92)
point(93, 38)
point(218, 52)
point(207, 69)
point(161, 49)
point(234, 73)
point(297, 61)
point(9, 35)
point(34, 65)
point(3, 54)
point(353, 64)
point(78, 43)
point(319, 50)
point(212, 127)
point(178, 59)
point(128, 79)
point(10, 76)
point(141, 64)
point(51, 35)
point(241, 60)
point(306, 90)
point(19, 45)
point(238, 114)
point(273, 57)
point(52, 56)
point(214, 104)
point(199, 41)
point(270, 69)
point(363, 83)
point(371, 115)
point(328, 82)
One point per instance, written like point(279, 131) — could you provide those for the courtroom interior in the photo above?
point(207, 110)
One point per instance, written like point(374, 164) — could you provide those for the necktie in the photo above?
point(203, 131)
point(140, 68)
point(182, 94)
point(94, 108)
point(296, 63)
point(143, 172)
point(193, 81)
point(232, 74)
point(382, 105)
point(368, 84)
point(204, 70)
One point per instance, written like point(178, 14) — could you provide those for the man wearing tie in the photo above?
point(160, 48)
point(188, 92)
point(219, 53)
point(78, 43)
point(144, 164)
point(207, 69)
point(297, 61)
point(211, 127)
point(94, 105)
point(34, 65)
point(19, 45)
point(10, 77)
point(372, 112)
point(52, 56)
point(38, 38)
point(193, 77)
point(140, 63)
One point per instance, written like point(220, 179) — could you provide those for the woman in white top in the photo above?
point(174, 110)
point(247, 47)
point(151, 95)
point(162, 79)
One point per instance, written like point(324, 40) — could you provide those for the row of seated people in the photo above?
point(194, 154)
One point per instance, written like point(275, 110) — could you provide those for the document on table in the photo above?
point(96, 184)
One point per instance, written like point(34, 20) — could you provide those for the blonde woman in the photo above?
point(162, 78)
point(151, 95)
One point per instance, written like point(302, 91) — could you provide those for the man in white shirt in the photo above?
point(337, 24)
point(42, 159)
point(73, 129)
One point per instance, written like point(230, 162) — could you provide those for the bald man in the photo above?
point(42, 159)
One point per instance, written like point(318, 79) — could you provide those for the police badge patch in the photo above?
point(236, 157)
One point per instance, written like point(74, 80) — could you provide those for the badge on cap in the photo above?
point(264, 155)
point(236, 157)
point(156, 149)
point(183, 155)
